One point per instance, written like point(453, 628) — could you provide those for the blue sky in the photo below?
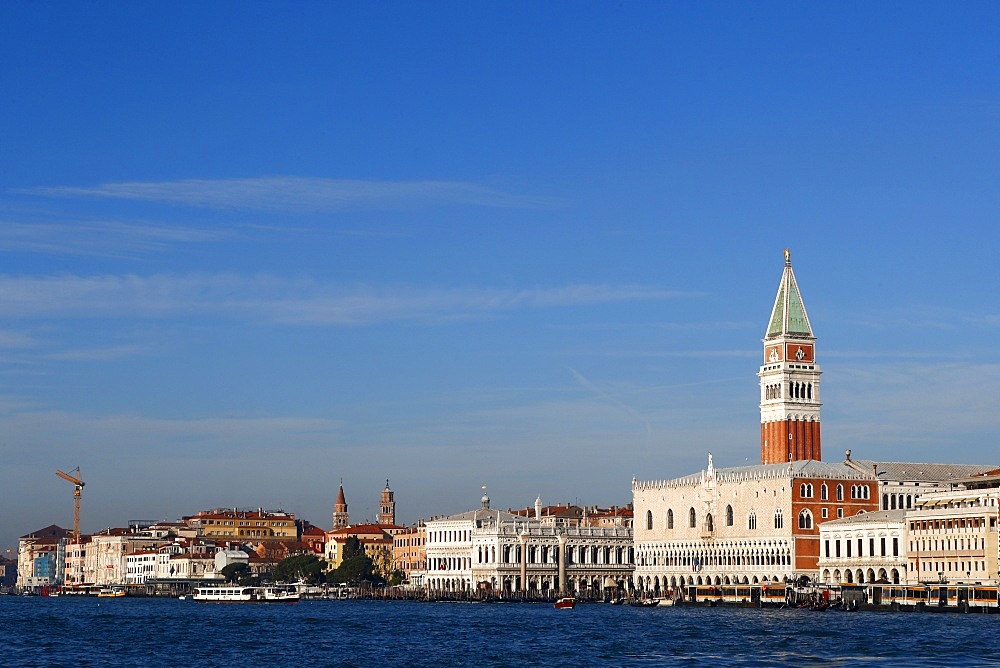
point(249, 250)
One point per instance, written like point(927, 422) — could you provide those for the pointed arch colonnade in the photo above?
point(669, 564)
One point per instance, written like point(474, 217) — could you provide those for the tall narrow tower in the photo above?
point(340, 518)
point(789, 379)
point(387, 515)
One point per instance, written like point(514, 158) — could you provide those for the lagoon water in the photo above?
point(70, 631)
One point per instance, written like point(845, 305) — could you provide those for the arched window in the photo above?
point(692, 518)
point(709, 522)
point(805, 520)
point(840, 492)
point(649, 520)
point(752, 521)
point(779, 521)
point(729, 516)
point(670, 519)
point(824, 492)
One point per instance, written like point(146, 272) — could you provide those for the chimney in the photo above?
point(848, 455)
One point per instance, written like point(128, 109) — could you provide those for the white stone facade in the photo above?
point(864, 548)
point(740, 525)
point(140, 567)
point(506, 554)
point(105, 562)
point(952, 536)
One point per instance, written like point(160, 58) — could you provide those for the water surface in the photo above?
point(71, 631)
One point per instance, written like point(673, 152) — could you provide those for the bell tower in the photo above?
point(387, 513)
point(340, 517)
point(789, 379)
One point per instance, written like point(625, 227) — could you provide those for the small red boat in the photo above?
point(565, 603)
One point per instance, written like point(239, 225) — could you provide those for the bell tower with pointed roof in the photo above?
point(387, 510)
point(340, 517)
point(789, 379)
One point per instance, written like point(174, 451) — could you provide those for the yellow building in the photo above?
point(374, 538)
point(241, 525)
point(953, 535)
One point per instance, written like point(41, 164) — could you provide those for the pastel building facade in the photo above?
point(952, 536)
point(870, 547)
point(746, 524)
point(244, 525)
point(41, 557)
point(502, 553)
point(409, 553)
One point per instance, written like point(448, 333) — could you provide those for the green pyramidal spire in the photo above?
point(788, 317)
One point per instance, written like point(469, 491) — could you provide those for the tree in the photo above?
point(356, 569)
point(237, 573)
point(306, 567)
point(352, 548)
point(382, 561)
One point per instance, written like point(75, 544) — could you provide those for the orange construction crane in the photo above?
point(76, 499)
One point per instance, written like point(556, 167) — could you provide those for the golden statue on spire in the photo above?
point(788, 255)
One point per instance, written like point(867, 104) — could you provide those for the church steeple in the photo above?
point(789, 379)
point(387, 514)
point(788, 317)
point(340, 517)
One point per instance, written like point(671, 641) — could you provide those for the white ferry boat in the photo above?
point(270, 594)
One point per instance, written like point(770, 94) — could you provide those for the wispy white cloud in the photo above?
point(608, 395)
point(284, 300)
point(25, 425)
point(893, 354)
point(298, 194)
point(100, 238)
point(922, 406)
point(917, 317)
point(11, 339)
point(98, 354)
point(987, 319)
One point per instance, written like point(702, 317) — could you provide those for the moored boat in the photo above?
point(644, 603)
point(111, 592)
point(235, 594)
point(566, 603)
